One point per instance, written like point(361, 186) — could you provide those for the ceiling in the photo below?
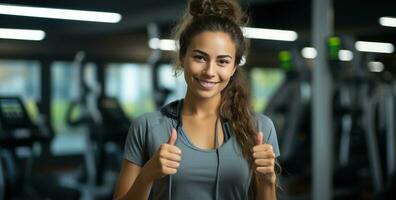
point(128, 39)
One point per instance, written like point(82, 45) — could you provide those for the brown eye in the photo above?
point(224, 62)
point(199, 58)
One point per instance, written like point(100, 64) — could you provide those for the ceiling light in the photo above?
point(154, 43)
point(345, 55)
point(376, 66)
point(163, 44)
point(21, 34)
point(167, 45)
point(269, 34)
point(55, 13)
point(309, 52)
point(387, 21)
point(376, 47)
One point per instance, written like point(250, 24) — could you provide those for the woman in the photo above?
point(209, 145)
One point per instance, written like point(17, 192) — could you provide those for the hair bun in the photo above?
point(222, 8)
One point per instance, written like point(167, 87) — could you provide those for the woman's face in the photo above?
point(209, 64)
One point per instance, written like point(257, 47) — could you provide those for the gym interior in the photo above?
point(322, 70)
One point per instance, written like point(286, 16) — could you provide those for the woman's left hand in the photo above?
point(264, 160)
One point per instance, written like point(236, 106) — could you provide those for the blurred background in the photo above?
point(71, 82)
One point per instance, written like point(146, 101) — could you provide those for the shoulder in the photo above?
point(165, 115)
point(263, 120)
point(148, 120)
point(265, 125)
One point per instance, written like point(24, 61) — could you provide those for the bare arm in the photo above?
point(132, 183)
point(266, 191)
point(135, 182)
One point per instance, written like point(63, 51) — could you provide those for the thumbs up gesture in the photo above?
point(165, 161)
point(264, 160)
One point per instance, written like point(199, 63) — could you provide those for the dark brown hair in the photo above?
point(224, 16)
point(211, 15)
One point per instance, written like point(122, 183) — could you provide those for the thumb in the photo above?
point(172, 137)
point(259, 138)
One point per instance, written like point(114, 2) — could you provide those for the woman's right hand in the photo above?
point(165, 161)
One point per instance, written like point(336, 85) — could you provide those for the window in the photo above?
point(66, 89)
point(176, 84)
point(21, 78)
point(264, 83)
point(131, 84)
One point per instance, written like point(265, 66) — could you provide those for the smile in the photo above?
point(206, 84)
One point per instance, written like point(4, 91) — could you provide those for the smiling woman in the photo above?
point(210, 145)
point(209, 64)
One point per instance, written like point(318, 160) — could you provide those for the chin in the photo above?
point(206, 94)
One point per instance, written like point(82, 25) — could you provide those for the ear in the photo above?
point(233, 70)
point(181, 62)
point(181, 57)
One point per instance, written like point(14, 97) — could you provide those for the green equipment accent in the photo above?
point(285, 60)
point(334, 45)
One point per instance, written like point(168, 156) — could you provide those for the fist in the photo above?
point(264, 160)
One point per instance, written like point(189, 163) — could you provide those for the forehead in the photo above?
point(213, 43)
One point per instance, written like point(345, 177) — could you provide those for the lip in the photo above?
point(207, 85)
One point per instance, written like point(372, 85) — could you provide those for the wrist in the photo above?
point(145, 175)
point(267, 180)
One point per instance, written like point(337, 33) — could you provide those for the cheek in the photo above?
point(188, 74)
point(226, 75)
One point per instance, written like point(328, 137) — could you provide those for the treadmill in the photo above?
point(19, 132)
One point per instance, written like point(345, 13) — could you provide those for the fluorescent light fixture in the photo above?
point(309, 52)
point(163, 44)
point(269, 34)
point(21, 34)
point(55, 13)
point(388, 21)
point(376, 47)
point(154, 43)
point(345, 55)
point(376, 66)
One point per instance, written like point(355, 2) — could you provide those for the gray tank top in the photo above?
point(221, 173)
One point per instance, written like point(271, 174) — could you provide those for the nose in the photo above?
point(209, 70)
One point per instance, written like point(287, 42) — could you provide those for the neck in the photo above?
point(193, 106)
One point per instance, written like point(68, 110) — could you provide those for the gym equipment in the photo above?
point(364, 127)
point(113, 129)
point(289, 108)
point(105, 129)
point(358, 95)
point(290, 101)
point(19, 132)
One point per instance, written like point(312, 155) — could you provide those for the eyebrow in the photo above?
point(207, 55)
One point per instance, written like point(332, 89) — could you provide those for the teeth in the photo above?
point(206, 84)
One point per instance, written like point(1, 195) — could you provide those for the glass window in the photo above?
point(21, 78)
point(66, 89)
point(176, 84)
point(264, 83)
point(131, 84)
